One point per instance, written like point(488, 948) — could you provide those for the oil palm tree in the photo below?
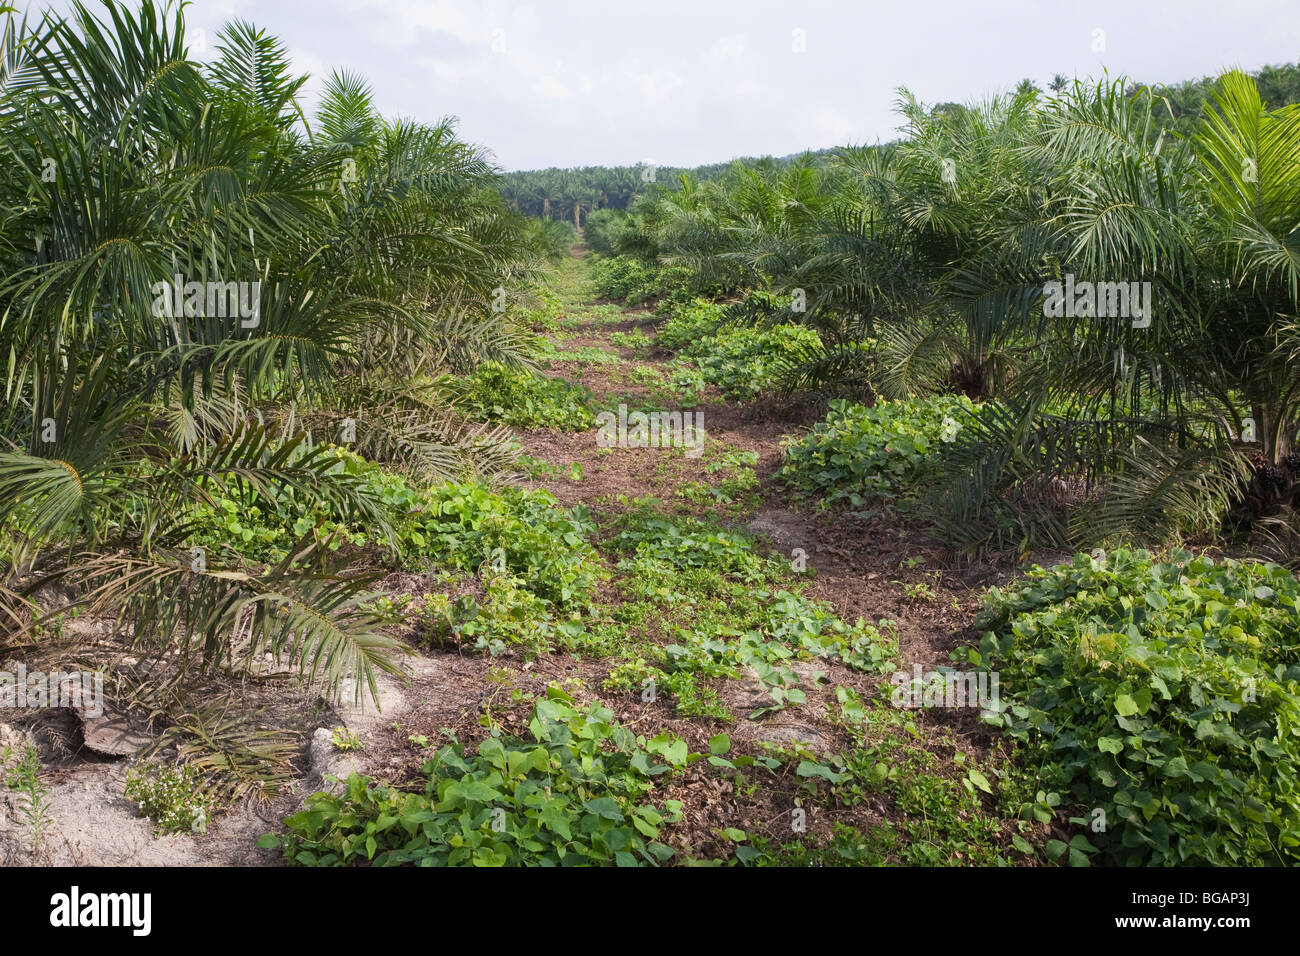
point(367, 245)
point(1148, 421)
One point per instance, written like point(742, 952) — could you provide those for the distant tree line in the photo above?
point(572, 194)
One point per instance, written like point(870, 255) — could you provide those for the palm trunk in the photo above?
point(1274, 433)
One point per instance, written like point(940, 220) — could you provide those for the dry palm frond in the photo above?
point(1157, 492)
point(210, 617)
point(235, 757)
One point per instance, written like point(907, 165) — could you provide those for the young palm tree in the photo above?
point(1147, 416)
point(365, 253)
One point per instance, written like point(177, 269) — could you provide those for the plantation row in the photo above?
point(921, 279)
point(926, 267)
point(229, 331)
point(148, 446)
point(574, 194)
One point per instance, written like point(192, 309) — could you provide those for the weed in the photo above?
point(25, 779)
point(171, 796)
point(346, 740)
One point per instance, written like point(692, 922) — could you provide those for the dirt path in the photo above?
point(872, 568)
point(865, 567)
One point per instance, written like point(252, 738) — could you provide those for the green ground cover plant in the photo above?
point(859, 454)
point(1162, 698)
point(719, 610)
point(522, 399)
point(578, 791)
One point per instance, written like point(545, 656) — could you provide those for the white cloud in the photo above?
point(581, 82)
point(657, 87)
point(548, 87)
point(727, 52)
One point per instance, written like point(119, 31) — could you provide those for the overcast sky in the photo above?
point(618, 82)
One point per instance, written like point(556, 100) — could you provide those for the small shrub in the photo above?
point(604, 229)
point(634, 281)
point(722, 346)
point(522, 400)
point(858, 454)
point(525, 533)
point(746, 362)
point(698, 319)
point(1164, 697)
point(550, 238)
point(170, 796)
point(623, 278)
point(509, 616)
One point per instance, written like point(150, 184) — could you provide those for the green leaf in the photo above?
point(479, 792)
point(1125, 706)
point(807, 768)
point(747, 854)
point(605, 808)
